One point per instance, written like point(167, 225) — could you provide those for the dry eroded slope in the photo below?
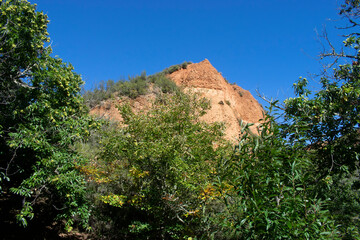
point(229, 103)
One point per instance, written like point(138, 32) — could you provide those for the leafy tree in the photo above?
point(22, 34)
point(152, 171)
point(41, 116)
point(266, 193)
point(327, 122)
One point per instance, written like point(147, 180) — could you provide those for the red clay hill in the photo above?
point(229, 103)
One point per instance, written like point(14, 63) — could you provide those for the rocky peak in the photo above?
point(199, 75)
point(229, 102)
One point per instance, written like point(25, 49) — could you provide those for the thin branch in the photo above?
point(38, 194)
point(338, 55)
point(12, 159)
point(263, 97)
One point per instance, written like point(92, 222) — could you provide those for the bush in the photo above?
point(135, 87)
point(175, 68)
point(104, 90)
point(266, 192)
point(164, 83)
point(185, 64)
point(150, 174)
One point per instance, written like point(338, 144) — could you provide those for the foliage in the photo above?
point(133, 87)
point(155, 168)
point(41, 116)
point(328, 122)
point(161, 81)
point(164, 174)
point(22, 33)
point(175, 68)
point(270, 196)
point(104, 90)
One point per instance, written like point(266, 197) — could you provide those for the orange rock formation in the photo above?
point(229, 103)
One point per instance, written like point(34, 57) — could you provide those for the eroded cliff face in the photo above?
point(229, 103)
point(108, 109)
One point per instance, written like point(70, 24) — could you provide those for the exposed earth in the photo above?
point(229, 102)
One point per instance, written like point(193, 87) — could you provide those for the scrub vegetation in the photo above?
point(134, 86)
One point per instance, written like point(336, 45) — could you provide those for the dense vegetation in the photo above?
point(41, 116)
point(134, 87)
point(163, 174)
point(151, 173)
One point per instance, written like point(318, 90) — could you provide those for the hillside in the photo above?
point(229, 102)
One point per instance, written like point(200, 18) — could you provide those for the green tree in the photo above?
point(151, 172)
point(327, 121)
point(269, 195)
point(41, 116)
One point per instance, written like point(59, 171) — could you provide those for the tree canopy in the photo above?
point(41, 115)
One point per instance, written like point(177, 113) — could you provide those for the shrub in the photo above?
point(173, 69)
point(185, 64)
point(164, 83)
point(104, 90)
point(134, 87)
point(266, 190)
point(153, 171)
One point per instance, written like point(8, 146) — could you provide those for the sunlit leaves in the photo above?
point(160, 164)
point(114, 200)
point(42, 116)
point(327, 121)
point(271, 198)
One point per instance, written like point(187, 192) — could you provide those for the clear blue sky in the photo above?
point(258, 44)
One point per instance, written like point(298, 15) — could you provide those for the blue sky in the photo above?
point(260, 44)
